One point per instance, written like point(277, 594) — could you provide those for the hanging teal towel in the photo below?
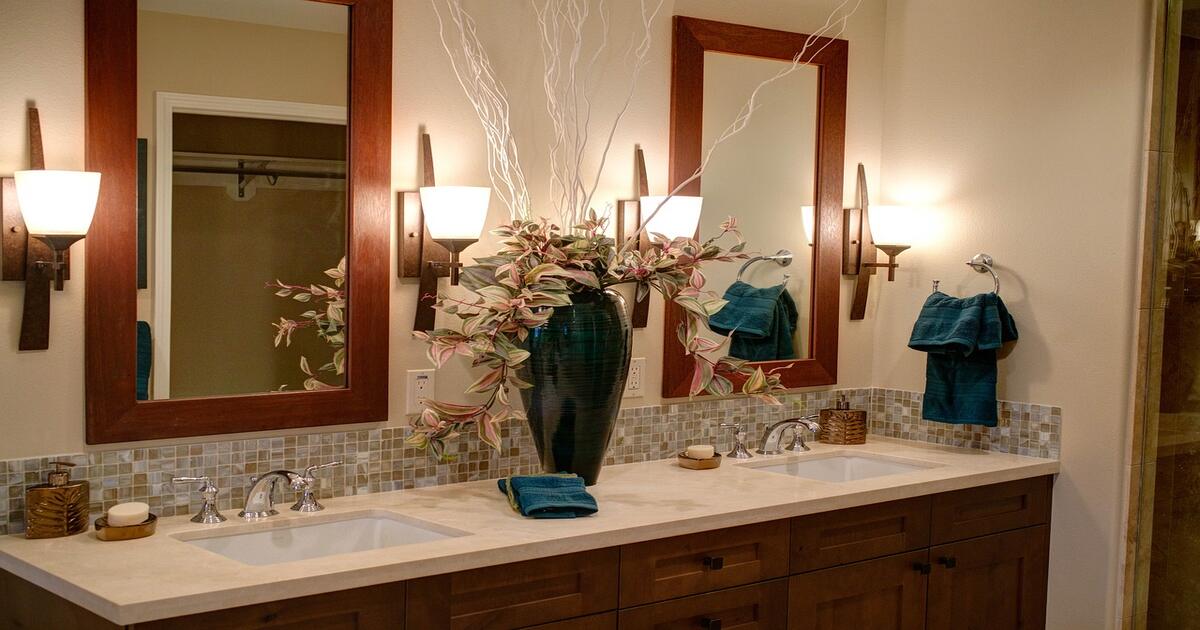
point(145, 353)
point(759, 322)
point(961, 336)
point(548, 496)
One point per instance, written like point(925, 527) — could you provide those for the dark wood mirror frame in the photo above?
point(113, 413)
point(692, 38)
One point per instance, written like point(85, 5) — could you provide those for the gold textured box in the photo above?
point(843, 426)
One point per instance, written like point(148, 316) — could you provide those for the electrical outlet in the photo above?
point(635, 382)
point(420, 385)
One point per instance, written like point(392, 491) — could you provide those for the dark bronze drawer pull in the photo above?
point(923, 567)
point(710, 624)
point(949, 563)
point(715, 563)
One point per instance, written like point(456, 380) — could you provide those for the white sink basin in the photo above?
point(841, 467)
point(288, 541)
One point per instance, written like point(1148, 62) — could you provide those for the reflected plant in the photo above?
point(539, 266)
point(327, 320)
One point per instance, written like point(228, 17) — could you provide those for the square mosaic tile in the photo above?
point(379, 460)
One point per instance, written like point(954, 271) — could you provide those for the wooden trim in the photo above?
point(113, 413)
point(692, 37)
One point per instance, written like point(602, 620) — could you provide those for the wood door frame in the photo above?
point(113, 412)
point(692, 38)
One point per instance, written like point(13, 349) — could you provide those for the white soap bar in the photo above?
point(700, 451)
point(123, 514)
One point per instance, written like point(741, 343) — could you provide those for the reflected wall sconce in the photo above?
point(42, 213)
point(436, 224)
point(868, 230)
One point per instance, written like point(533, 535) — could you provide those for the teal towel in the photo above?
point(548, 496)
point(145, 353)
point(961, 336)
point(759, 322)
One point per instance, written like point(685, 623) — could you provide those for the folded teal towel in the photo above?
point(145, 353)
point(759, 322)
point(961, 336)
point(548, 496)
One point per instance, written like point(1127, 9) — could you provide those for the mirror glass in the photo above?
point(763, 176)
point(242, 196)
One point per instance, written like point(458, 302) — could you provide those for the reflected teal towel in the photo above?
point(548, 496)
point(961, 336)
point(759, 322)
point(145, 352)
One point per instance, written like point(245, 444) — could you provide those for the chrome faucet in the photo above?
point(260, 499)
point(774, 433)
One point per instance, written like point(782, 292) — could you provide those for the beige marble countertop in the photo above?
point(163, 576)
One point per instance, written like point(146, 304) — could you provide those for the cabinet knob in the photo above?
point(710, 624)
point(715, 563)
point(948, 562)
point(922, 567)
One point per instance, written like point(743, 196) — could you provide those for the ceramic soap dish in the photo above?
point(699, 464)
point(104, 531)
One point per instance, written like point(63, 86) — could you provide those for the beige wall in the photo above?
point(1020, 125)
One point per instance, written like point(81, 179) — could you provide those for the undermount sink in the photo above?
point(288, 541)
point(842, 467)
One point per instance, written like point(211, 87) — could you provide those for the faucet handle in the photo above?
point(208, 514)
point(739, 450)
point(307, 502)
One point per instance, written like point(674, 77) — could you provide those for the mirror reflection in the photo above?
point(242, 196)
point(764, 176)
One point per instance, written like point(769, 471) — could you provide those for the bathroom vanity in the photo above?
point(920, 537)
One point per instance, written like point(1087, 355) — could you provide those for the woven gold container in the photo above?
point(843, 426)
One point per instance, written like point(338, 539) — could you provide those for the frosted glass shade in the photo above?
point(57, 203)
point(455, 212)
point(678, 218)
point(808, 214)
point(891, 225)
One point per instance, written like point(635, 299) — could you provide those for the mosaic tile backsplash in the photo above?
point(378, 460)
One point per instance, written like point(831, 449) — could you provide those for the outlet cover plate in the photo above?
point(635, 384)
point(419, 385)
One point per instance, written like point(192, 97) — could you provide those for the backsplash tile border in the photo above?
point(379, 460)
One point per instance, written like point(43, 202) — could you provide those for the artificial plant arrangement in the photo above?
point(327, 320)
point(547, 267)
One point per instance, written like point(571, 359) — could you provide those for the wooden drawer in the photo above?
point(881, 594)
point(758, 607)
point(990, 509)
point(603, 621)
point(686, 565)
point(369, 608)
point(871, 531)
point(516, 595)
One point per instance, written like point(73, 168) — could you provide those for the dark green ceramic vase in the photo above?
point(578, 362)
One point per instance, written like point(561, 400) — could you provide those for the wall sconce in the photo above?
point(867, 229)
point(42, 213)
point(629, 219)
point(680, 217)
point(454, 216)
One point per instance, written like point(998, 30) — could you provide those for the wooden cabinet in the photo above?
point(685, 565)
point(883, 594)
point(967, 560)
point(756, 607)
point(516, 595)
point(369, 608)
point(872, 531)
point(996, 582)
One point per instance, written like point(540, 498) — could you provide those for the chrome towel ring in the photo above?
point(783, 258)
point(981, 263)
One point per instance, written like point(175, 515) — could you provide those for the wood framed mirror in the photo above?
point(265, 158)
point(785, 166)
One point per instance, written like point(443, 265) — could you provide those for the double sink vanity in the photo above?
point(887, 534)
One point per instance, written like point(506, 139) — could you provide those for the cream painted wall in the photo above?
point(1019, 126)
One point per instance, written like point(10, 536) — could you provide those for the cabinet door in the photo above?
point(995, 582)
point(757, 607)
point(697, 563)
point(516, 595)
point(369, 608)
point(883, 594)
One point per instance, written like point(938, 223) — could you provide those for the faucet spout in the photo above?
point(774, 433)
point(260, 499)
